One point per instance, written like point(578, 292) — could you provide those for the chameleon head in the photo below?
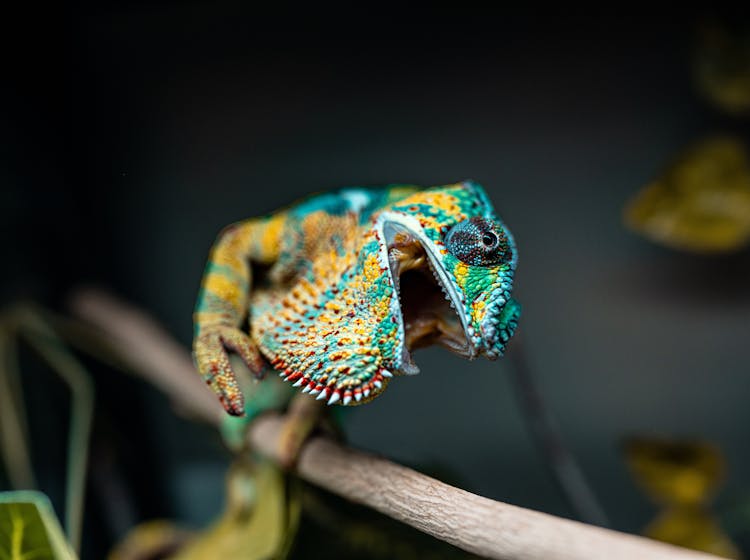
point(452, 263)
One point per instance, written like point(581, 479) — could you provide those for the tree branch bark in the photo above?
point(479, 525)
point(476, 524)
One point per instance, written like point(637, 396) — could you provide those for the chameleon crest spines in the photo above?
point(360, 277)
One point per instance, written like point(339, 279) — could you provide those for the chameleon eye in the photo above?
point(489, 239)
point(478, 241)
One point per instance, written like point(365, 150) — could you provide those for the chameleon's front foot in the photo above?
point(302, 417)
point(210, 349)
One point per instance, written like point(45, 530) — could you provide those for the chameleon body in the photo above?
point(338, 289)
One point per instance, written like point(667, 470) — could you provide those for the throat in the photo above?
point(428, 315)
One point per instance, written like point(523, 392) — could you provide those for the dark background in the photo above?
point(136, 132)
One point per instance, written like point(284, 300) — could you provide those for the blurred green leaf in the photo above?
point(29, 529)
point(159, 538)
point(260, 519)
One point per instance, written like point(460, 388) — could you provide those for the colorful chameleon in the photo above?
point(340, 288)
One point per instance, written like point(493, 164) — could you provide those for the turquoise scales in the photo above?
point(356, 279)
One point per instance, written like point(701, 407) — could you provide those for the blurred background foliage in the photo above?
point(135, 132)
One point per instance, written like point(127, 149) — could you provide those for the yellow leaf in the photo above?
point(682, 476)
point(722, 67)
point(701, 203)
point(693, 528)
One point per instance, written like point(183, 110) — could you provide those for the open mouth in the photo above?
point(427, 306)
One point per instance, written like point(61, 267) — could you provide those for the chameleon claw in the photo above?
point(210, 351)
point(235, 406)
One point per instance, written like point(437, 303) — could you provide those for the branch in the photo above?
point(473, 523)
point(476, 524)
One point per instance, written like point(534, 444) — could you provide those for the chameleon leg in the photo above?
point(222, 306)
point(303, 416)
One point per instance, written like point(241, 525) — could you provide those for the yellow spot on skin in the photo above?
point(372, 269)
point(325, 318)
point(225, 289)
point(442, 200)
point(333, 305)
point(479, 309)
point(269, 240)
point(381, 308)
point(461, 271)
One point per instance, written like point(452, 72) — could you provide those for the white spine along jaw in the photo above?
point(386, 226)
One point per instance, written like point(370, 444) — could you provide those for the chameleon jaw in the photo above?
point(427, 305)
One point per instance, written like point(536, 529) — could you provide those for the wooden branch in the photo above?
point(476, 524)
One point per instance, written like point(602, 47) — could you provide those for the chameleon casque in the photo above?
point(337, 290)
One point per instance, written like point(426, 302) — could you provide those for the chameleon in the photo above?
point(336, 291)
